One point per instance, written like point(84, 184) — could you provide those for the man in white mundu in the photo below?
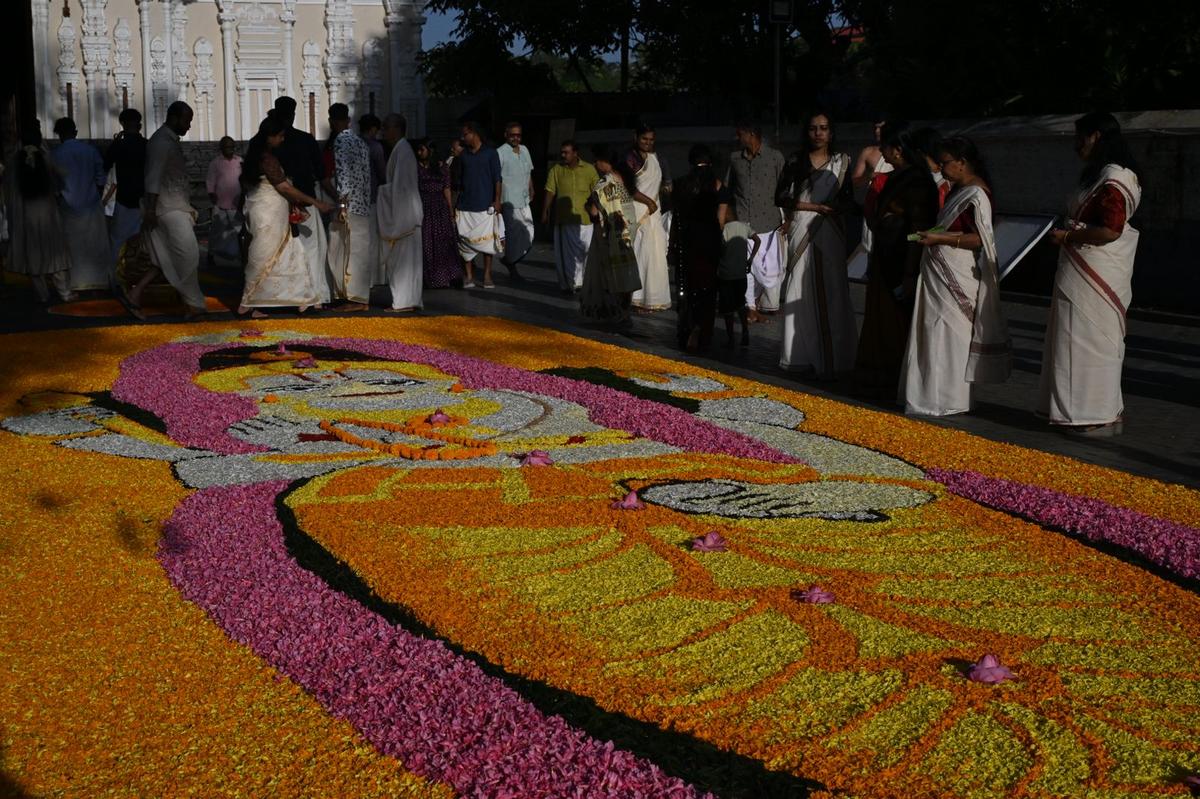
point(516, 192)
point(1085, 335)
point(350, 232)
point(819, 332)
point(167, 213)
point(399, 211)
point(958, 335)
point(477, 209)
point(650, 243)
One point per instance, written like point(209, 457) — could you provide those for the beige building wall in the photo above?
point(228, 59)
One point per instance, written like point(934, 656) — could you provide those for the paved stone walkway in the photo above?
point(1161, 384)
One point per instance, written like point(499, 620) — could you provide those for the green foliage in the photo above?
point(915, 58)
point(931, 58)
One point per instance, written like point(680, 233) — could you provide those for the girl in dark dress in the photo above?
point(907, 203)
point(439, 239)
point(694, 248)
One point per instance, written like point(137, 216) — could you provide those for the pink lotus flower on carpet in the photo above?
point(709, 542)
point(250, 332)
point(816, 595)
point(539, 457)
point(630, 502)
point(989, 671)
point(305, 363)
point(438, 417)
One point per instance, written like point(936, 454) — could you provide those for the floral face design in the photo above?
point(668, 548)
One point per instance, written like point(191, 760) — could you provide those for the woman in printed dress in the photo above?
point(439, 239)
point(611, 274)
point(1085, 336)
point(958, 334)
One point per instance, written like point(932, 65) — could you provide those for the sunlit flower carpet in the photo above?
point(462, 557)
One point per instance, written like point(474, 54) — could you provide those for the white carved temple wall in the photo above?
point(228, 59)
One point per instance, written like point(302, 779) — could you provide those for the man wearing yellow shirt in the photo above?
point(568, 187)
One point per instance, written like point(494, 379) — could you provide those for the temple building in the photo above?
point(228, 59)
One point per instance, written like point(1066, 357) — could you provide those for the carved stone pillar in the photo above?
point(96, 69)
point(287, 16)
point(341, 57)
point(404, 20)
point(228, 20)
point(168, 27)
point(69, 76)
point(310, 87)
point(205, 84)
point(123, 65)
point(160, 78)
point(181, 61)
point(41, 60)
point(151, 121)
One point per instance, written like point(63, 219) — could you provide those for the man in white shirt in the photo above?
point(516, 193)
point(168, 216)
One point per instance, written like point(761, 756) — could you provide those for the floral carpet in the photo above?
point(442, 557)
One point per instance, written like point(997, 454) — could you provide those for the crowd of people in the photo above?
point(314, 224)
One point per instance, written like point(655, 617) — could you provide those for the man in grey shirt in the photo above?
point(754, 172)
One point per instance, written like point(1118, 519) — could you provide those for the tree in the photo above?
point(944, 58)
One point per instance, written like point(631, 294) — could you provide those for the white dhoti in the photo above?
point(276, 267)
point(350, 257)
point(650, 243)
point(223, 244)
point(1085, 335)
point(518, 230)
point(571, 243)
point(376, 255)
point(87, 239)
point(122, 226)
point(174, 250)
point(766, 272)
point(957, 335)
point(315, 244)
point(479, 233)
point(402, 259)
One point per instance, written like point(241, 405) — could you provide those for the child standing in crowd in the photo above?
point(740, 248)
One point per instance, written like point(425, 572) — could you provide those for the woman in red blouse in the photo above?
point(1085, 336)
point(958, 334)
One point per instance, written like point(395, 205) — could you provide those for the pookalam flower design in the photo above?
point(532, 573)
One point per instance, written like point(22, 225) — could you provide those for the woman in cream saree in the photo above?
point(1085, 335)
point(277, 270)
point(958, 335)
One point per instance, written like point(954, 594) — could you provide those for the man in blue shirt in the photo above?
point(477, 210)
point(84, 225)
